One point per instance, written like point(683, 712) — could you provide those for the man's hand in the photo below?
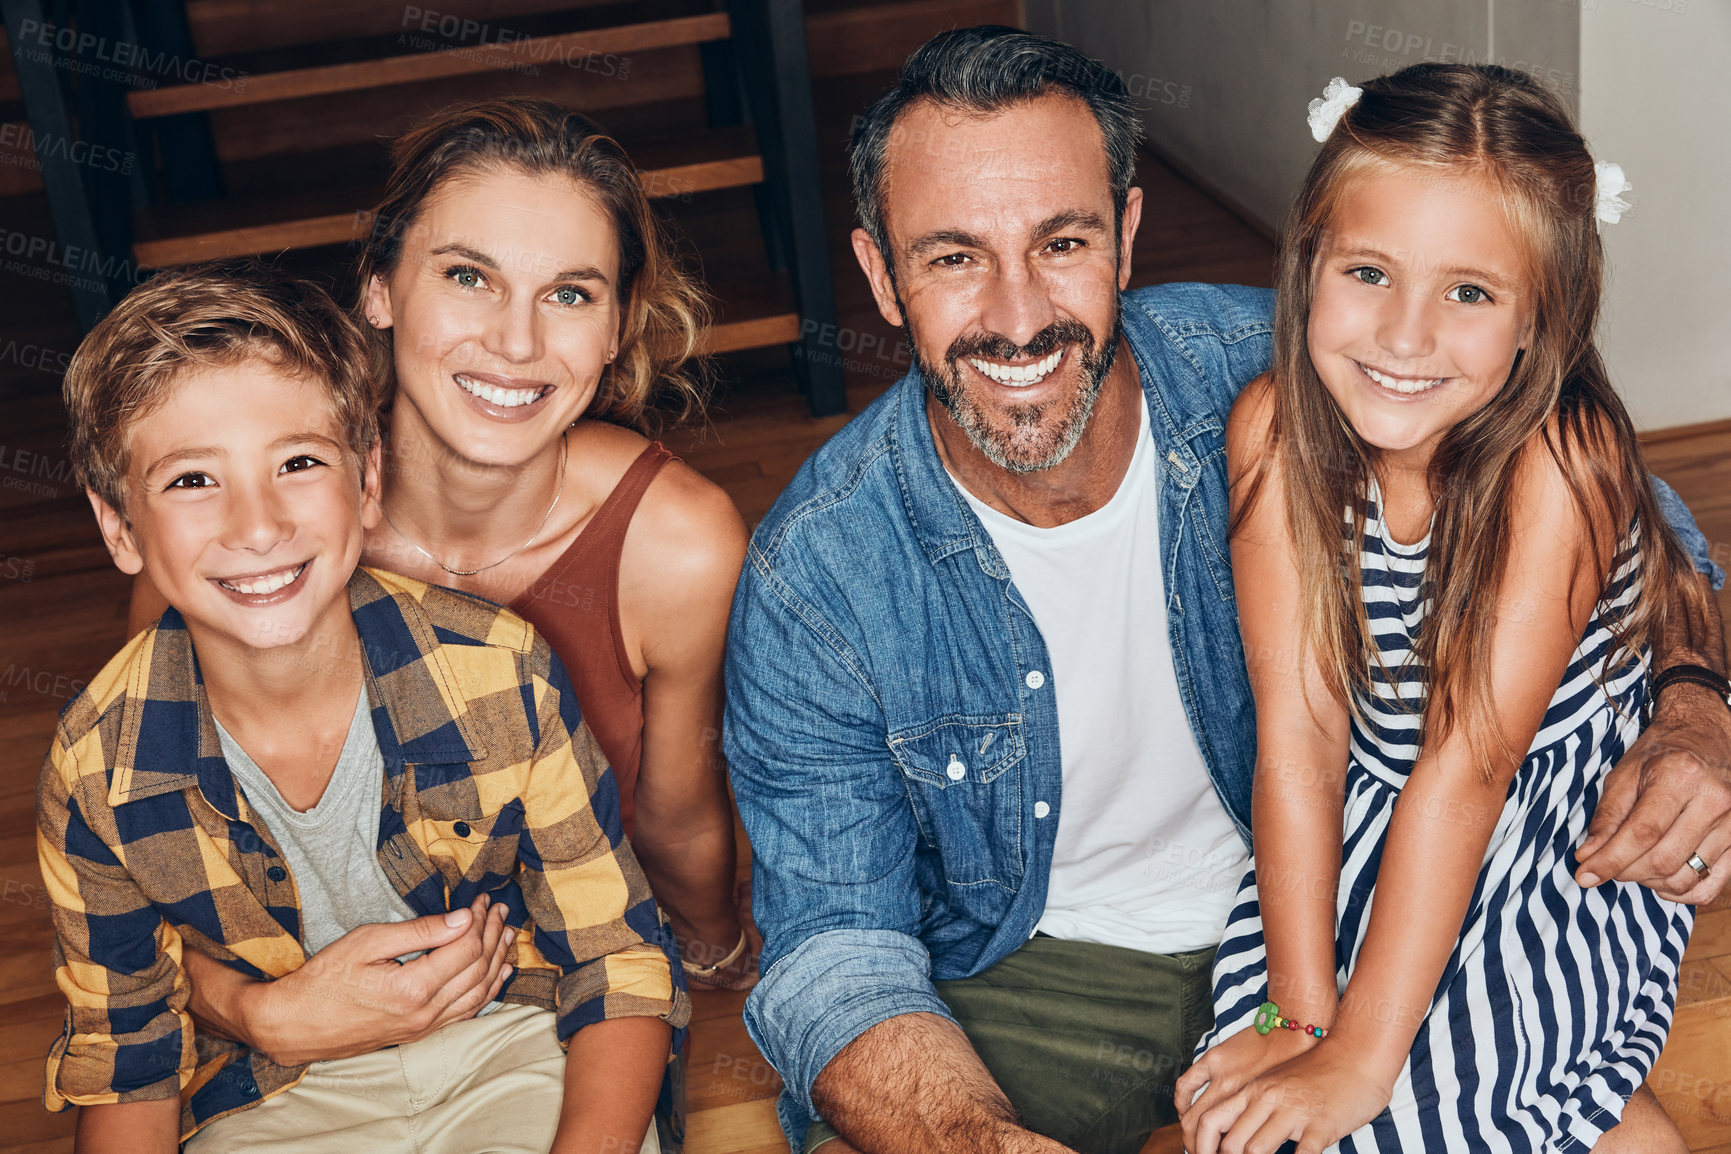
point(1669, 797)
point(352, 997)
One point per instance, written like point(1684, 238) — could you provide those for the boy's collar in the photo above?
point(168, 737)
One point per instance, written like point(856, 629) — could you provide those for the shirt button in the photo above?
point(1035, 679)
point(1041, 809)
point(276, 873)
point(956, 770)
point(461, 829)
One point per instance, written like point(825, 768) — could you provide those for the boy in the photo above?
point(300, 747)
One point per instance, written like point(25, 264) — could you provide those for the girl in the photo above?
point(1448, 672)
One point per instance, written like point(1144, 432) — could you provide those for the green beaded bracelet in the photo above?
point(1268, 1018)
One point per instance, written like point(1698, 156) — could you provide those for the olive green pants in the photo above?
point(1086, 1040)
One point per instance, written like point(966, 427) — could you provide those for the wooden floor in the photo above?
point(63, 608)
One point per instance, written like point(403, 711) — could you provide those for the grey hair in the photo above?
point(984, 70)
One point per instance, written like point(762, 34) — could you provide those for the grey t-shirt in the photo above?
point(331, 848)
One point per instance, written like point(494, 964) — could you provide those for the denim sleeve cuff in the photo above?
point(1688, 532)
point(830, 989)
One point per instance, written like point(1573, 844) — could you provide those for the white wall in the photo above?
point(1224, 85)
point(1655, 99)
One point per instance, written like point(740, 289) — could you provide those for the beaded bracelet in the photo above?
point(1268, 1018)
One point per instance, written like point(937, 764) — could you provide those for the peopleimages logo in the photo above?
point(86, 52)
point(467, 36)
point(22, 143)
point(70, 257)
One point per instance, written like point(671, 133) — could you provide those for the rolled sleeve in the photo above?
point(831, 989)
point(1683, 524)
point(630, 983)
point(128, 1036)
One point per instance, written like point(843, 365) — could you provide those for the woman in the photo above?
point(528, 313)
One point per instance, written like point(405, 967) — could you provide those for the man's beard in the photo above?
point(1038, 437)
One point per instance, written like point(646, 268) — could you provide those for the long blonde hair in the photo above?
point(658, 372)
point(1500, 123)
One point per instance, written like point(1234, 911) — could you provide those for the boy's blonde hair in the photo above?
point(210, 315)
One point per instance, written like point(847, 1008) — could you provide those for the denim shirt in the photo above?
point(892, 726)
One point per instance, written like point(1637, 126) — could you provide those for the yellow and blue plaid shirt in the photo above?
point(493, 784)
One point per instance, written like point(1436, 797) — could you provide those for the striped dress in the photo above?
point(1556, 1000)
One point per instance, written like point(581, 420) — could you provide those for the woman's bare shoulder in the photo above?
point(600, 454)
point(686, 540)
point(691, 526)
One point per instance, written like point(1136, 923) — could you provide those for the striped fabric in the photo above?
point(493, 785)
point(1557, 1000)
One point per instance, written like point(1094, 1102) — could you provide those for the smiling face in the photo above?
point(246, 507)
point(1006, 269)
point(1420, 305)
point(505, 310)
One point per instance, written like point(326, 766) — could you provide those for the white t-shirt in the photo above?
point(1146, 856)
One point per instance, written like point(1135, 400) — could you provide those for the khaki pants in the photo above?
point(1085, 1040)
point(490, 1084)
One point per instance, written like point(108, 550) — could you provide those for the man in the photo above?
point(988, 716)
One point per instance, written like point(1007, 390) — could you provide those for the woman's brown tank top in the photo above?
point(575, 605)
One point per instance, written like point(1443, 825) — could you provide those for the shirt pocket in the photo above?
point(481, 851)
point(964, 774)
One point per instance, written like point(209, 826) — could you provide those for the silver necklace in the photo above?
point(558, 491)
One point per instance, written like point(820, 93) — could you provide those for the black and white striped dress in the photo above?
point(1557, 1000)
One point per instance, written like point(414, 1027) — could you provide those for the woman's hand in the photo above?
point(1316, 1099)
point(741, 973)
point(352, 997)
point(1226, 1069)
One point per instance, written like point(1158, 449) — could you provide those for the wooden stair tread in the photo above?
point(405, 68)
point(753, 315)
point(334, 205)
point(753, 333)
point(228, 27)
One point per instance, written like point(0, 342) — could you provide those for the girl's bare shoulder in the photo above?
point(1250, 425)
point(1250, 428)
point(1554, 481)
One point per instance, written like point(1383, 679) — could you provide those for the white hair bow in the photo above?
point(1326, 110)
point(1610, 184)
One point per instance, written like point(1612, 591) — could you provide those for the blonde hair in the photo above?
point(1502, 124)
point(210, 315)
point(658, 370)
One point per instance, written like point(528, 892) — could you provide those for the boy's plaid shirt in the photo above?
point(493, 785)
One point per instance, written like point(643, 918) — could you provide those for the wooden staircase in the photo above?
point(261, 128)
